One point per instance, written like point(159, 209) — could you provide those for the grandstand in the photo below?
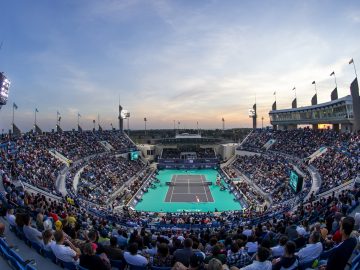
point(100, 193)
point(100, 180)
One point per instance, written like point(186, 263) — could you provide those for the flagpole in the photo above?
point(78, 119)
point(35, 117)
point(333, 73)
point(13, 116)
point(353, 62)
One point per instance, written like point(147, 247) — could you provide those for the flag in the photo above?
point(1, 44)
point(223, 119)
point(313, 82)
point(36, 110)
point(332, 73)
point(145, 119)
point(15, 106)
point(58, 113)
point(314, 100)
point(351, 61)
point(274, 106)
point(274, 93)
point(94, 121)
point(294, 88)
point(79, 115)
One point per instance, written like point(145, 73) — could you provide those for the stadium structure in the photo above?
point(280, 188)
point(342, 113)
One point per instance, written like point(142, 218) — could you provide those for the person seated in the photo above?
point(214, 264)
point(132, 257)
point(32, 234)
point(252, 245)
point(340, 254)
point(112, 251)
point(64, 250)
point(279, 250)
point(183, 255)
point(300, 241)
point(215, 254)
point(162, 258)
point(237, 256)
point(89, 260)
point(48, 240)
point(2, 230)
point(289, 261)
point(261, 261)
point(11, 217)
point(312, 250)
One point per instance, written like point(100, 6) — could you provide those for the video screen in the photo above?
point(134, 155)
point(296, 181)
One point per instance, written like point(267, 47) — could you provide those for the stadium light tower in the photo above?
point(4, 89)
point(35, 120)
point(145, 120)
point(128, 120)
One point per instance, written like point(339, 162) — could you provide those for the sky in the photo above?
point(188, 61)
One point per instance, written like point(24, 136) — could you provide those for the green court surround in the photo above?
point(154, 200)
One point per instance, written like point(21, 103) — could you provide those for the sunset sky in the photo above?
point(184, 60)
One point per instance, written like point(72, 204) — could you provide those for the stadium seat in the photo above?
point(67, 265)
point(136, 267)
point(4, 252)
point(12, 228)
point(355, 263)
point(118, 264)
point(306, 265)
point(17, 257)
point(50, 255)
point(160, 268)
point(15, 264)
point(37, 247)
point(29, 267)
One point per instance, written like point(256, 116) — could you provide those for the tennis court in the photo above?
point(158, 199)
point(189, 188)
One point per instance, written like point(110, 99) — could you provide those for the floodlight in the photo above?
point(4, 90)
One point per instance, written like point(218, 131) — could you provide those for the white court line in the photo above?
point(207, 199)
point(188, 186)
point(190, 193)
point(172, 191)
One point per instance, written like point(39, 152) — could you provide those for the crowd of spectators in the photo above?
point(309, 234)
point(27, 158)
point(253, 197)
point(118, 141)
point(338, 164)
point(104, 175)
point(269, 172)
point(176, 153)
